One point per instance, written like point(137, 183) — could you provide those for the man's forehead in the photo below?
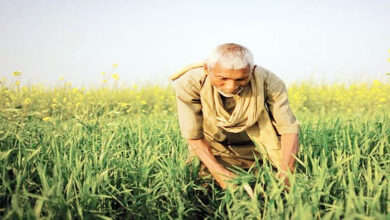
point(220, 70)
point(218, 65)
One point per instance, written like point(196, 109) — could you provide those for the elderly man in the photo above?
point(232, 111)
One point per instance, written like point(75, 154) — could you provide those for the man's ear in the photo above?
point(205, 68)
point(253, 70)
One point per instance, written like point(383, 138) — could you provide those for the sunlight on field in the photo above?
point(115, 151)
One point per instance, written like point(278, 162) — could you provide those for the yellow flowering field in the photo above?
point(66, 101)
point(357, 98)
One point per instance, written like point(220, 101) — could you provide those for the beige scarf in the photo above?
point(248, 115)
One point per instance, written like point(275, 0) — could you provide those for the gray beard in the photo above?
point(229, 95)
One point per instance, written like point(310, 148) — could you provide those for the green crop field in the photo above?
point(116, 152)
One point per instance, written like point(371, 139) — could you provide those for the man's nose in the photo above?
point(230, 85)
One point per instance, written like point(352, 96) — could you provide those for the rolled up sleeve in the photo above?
point(189, 108)
point(277, 102)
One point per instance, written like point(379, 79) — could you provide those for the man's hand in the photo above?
point(283, 177)
point(290, 145)
point(203, 150)
point(222, 177)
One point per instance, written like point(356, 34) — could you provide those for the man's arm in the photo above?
point(290, 145)
point(203, 150)
point(284, 121)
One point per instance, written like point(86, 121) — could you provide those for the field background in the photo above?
point(116, 152)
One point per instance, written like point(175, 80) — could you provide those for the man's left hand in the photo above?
point(283, 177)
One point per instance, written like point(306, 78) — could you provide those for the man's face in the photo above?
point(229, 81)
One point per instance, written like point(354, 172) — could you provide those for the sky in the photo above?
point(319, 40)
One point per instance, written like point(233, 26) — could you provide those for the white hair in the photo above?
point(230, 56)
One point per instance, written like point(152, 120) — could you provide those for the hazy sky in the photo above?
point(325, 40)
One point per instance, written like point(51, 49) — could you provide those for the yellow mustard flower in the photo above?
point(104, 80)
point(103, 73)
point(115, 65)
point(123, 104)
point(115, 76)
point(46, 119)
point(17, 83)
point(61, 78)
point(17, 73)
point(27, 101)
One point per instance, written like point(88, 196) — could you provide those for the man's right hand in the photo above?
point(202, 149)
point(223, 177)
